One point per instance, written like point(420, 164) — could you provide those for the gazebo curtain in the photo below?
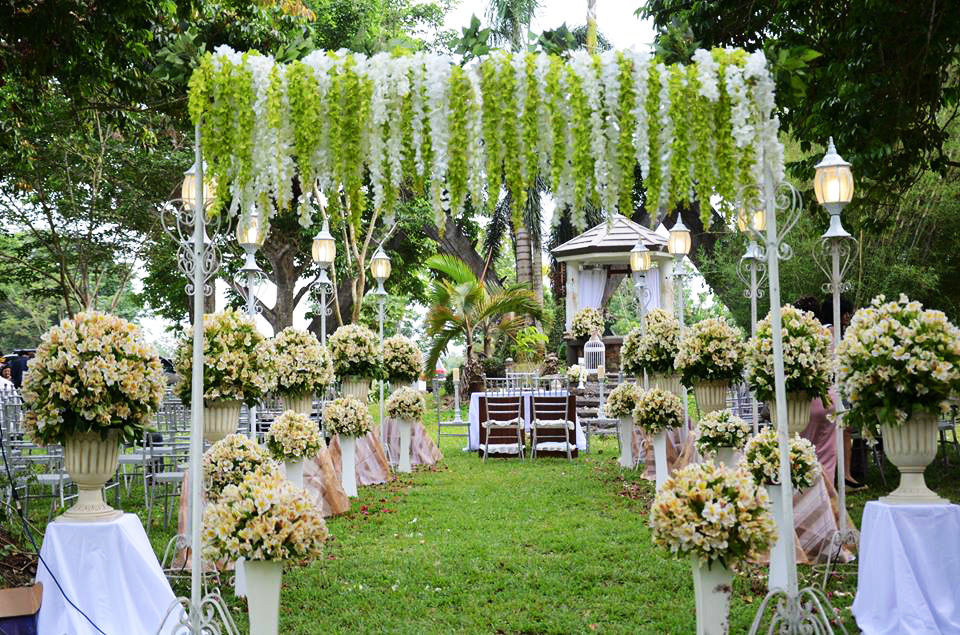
point(592, 283)
point(653, 288)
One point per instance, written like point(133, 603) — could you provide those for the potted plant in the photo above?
point(898, 364)
point(717, 517)
point(656, 411)
point(298, 367)
point(402, 359)
point(586, 323)
point(806, 364)
point(576, 374)
point(228, 460)
point(266, 521)
point(92, 384)
point(722, 434)
point(621, 404)
point(292, 438)
point(761, 457)
point(530, 347)
point(348, 418)
point(406, 405)
point(233, 370)
point(710, 356)
point(356, 359)
point(654, 350)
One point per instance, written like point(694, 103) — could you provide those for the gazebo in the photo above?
point(596, 262)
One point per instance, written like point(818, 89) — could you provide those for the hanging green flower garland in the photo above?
point(358, 128)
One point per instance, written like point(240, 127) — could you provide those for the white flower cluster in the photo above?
point(263, 517)
point(355, 352)
point(228, 460)
point(710, 350)
point(233, 359)
point(806, 355)
point(656, 349)
point(347, 417)
point(761, 457)
point(294, 436)
point(92, 372)
point(297, 363)
point(574, 372)
point(658, 410)
point(712, 513)
point(406, 404)
point(587, 322)
point(622, 400)
point(407, 103)
point(897, 356)
point(721, 429)
point(402, 359)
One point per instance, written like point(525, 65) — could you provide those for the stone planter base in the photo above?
point(668, 383)
point(301, 403)
point(356, 387)
point(711, 396)
point(798, 412)
point(712, 587)
point(91, 461)
point(220, 418)
point(911, 447)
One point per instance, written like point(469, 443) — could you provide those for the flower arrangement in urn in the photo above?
point(657, 410)
point(899, 363)
point(92, 384)
point(710, 356)
point(347, 417)
point(654, 348)
point(622, 400)
point(721, 429)
point(761, 457)
point(406, 404)
point(355, 352)
point(294, 436)
point(228, 460)
point(587, 323)
point(297, 363)
point(402, 359)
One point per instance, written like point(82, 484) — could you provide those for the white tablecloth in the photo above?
point(473, 416)
point(909, 576)
point(109, 570)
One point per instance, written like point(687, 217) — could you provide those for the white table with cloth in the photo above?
point(909, 576)
point(473, 416)
point(110, 572)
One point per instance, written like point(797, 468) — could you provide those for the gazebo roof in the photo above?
point(616, 235)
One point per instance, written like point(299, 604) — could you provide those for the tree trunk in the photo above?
point(455, 243)
point(537, 254)
point(522, 241)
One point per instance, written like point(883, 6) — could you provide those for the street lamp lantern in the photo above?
point(640, 261)
point(251, 231)
point(324, 247)
point(678, 244)
point(833, 182)
point(188, 191)
point(751, 220)
point(380, 268)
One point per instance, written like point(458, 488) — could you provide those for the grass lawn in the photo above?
point(544, 546)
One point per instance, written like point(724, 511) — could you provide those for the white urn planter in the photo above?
point(668, 382)
point(294, 471)
point(798, 412)
point(403, 463)
point(778, 559)
point(220, 418)
point(712, 587)
point(90, 461)
point(356, 387)
point(711, 395)
point(660, 457)
point(263, 595)
point(911, 447)
point(348, 465)
point(625, 432)
point(301, 403)
point(727, 457)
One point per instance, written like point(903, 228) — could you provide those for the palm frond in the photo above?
point(452, 267)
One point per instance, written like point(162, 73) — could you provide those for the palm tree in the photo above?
point(463, 306)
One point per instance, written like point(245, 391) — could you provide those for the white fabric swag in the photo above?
point(592, 282)
point(653, 289)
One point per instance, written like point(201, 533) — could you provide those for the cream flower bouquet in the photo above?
point(806, 355)
point(712, 513)
point(355, 352)
point(402, 359)
point(721, 429)
point(347, 417)
point(234, 359)
point(297, 363)
point(92, 373)
point(406, 404)
point(586, 323)
point(228, 460)
point(761, 457)
point(710, 350)
point(622, 400)
point(655, 349)
point(573, 373)
point(263, 517)
point(294, 436)
point(894, 357)
point(658, 410)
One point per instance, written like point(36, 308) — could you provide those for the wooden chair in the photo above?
point(502, 424)
point(553, 428)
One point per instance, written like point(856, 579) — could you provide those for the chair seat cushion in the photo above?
point(554, 446)
point(502, 448)
point(506, 423)
point(554, 423)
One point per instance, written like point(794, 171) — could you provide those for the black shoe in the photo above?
point(853, 486)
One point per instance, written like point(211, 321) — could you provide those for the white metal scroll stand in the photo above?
point(752, 271)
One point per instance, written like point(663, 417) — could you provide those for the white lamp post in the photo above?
point(380, 268)
point(752, 271)
point(833, 185)
point(640, 263)
point(251, 232)
point(678, 245)
point(324, 253)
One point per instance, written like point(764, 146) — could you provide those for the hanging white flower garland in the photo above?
point(350, 124)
